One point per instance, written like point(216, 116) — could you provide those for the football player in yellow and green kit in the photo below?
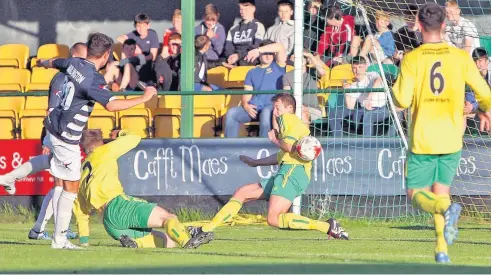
point(127, 219)
point(432, 83)
point(291, 181)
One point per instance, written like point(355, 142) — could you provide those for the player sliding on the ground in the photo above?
point(432, 81)
point(291, 181)
point(127, 219)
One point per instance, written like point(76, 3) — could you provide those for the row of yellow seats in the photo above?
point(13, 79)
point(17, 55)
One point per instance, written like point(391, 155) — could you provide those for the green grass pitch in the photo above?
point(374, 248)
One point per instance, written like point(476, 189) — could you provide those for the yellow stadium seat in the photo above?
point(102, 119)
point(218, 76)
point(237, 76)
point(31, 118)
point(337, 75)
point(137, 119)
point(117, 48)
point(49, 51)
point(36, 103)
point(166, 123)
point(40, 79)
point(14, 55)
point(9, 115)
point(14, 79)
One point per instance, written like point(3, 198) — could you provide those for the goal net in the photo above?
point(352, 56)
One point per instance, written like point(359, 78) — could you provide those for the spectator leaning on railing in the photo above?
point(202, 45)
point(147, 43)
point(167, 66)
point(211, 27)
point(244, 36)
point(460, 31)
point(283, 31)
point(124, 73)
point(266, 76)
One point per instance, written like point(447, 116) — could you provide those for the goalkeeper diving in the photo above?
point(432, 83)
point(280, 190)
point(127, 219)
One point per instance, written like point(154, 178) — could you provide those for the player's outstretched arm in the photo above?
point(123, 104)
point(57, 63)
point(270, 160)
point(124, 142)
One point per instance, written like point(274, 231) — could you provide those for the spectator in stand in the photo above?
point(407, 37)
point(244, 36)
point(313, 23)
point(168, 65)
point(283, 31)
point(371, 106)
point(211, 27)
point(176, 28)
point(147, 42)
point(266, 76)
point(310, 107)
point(202, 45)
point(460, 32)
point(382, 45)
point(337, 36)
point(122, 74)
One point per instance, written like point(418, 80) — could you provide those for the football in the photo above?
point(308, 148)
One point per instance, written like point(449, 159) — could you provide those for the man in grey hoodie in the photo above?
point(283, 31)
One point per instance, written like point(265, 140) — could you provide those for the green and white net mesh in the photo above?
point(363, 165)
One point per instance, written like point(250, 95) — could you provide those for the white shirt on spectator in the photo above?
point(457, 34)
point(377, 99)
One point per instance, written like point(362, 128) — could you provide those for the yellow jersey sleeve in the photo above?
point(81, 212)
point(403, 89)
point(289, 129)
point(477, 83)
point(123, 144)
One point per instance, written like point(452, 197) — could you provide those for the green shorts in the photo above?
point(423, 171)
point(126, 215)
point(290, 182)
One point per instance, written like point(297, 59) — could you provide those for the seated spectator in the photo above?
point(460, 32)
point(147, 42)
point(283, 31)
point(244, 36)
point(266, 76)
point(176, 28)
point(337, 36)
point(211, 27)
point(310, 107)
point(168, 66)
point(123, 73)
point(408, 37)
point(370, 106)
point(202, 45)
point(382, 45)
point(313, 23)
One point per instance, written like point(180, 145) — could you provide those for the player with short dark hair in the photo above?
point(127, 219)
point(82, 88)
point(124, 73)
point(291, 180)
point(432, 82)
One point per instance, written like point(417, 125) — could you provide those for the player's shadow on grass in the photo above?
point(24, 243)
point(285, 269)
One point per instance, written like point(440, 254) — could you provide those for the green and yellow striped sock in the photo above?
point(294, 221)
point(176, 231)
point(225, 214)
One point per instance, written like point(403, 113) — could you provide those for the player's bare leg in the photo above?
point(64, 215)
point(33, 166)
point(112, 73)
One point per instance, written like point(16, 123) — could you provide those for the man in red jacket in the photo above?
point(339, 32)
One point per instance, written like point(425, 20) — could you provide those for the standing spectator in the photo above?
point(283, 31)
point(370, 106)
point(310, 107)
point(177, 25)
point(202, 45)
point(267, 76)
point(244, 36)
point(211, 27)
point(167, 66)
point(147, 42)
point(337, 36)
point(460, 32)
point(408, 37)
point(383, 46)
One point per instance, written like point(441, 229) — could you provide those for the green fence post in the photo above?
point(187, 67)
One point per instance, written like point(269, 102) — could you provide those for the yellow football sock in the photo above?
point(176, 231)
point(150, 241)
point(294, 221)
point(425, 200)
point(225, 214)
point(441, 245)
point(442, 203)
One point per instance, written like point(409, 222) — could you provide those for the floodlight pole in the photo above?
point(187, 78)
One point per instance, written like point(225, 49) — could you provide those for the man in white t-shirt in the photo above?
point(460, 32)
point(371, 106)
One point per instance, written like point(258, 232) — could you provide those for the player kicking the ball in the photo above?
point(280, 190)
point(127, 219)
point(432, 82)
